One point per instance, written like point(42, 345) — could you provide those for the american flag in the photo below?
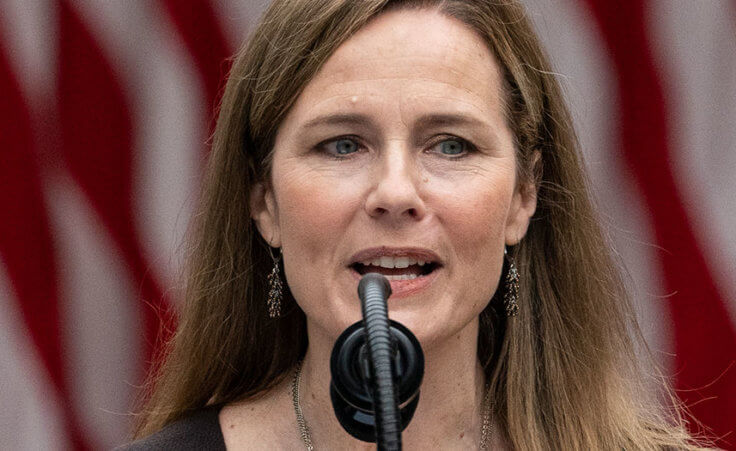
point(105, 112)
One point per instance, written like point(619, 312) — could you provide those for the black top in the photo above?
point(200, 431)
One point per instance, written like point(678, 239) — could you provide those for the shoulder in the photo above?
point(199, 431)
point(264, 422)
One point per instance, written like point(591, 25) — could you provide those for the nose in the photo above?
point(395, 194)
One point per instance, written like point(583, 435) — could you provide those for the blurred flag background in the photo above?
point(105, 112)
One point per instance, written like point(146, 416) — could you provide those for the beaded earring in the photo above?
point(275, 287)
point(511, 287)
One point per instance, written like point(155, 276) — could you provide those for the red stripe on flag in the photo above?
point(97, 144)
point(199, 29)
point(705, 339)
point(26, 244)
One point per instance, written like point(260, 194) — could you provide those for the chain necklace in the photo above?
point(303, 428)
point(485, 431)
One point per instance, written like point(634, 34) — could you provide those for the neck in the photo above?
point(450, 403)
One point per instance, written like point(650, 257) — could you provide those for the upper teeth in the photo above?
point(394, 262)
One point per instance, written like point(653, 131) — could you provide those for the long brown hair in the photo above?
point(564, 372)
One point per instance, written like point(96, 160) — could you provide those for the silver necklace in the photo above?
point(485, 431)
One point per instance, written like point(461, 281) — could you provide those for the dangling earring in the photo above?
point(275, 287)
point(511, 287)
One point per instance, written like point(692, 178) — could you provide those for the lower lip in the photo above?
point(408, 287)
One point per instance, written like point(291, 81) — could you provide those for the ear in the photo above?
point(523, 205)
point(264, 213)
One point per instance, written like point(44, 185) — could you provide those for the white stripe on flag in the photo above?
point(100, 318)
point(30, 417)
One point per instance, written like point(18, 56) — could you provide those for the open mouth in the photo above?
point(396, 268)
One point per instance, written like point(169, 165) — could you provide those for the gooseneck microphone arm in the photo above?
point(377, 367)
point(373, 291)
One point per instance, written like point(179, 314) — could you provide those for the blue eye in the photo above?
point(342, 146)
point(452, 147)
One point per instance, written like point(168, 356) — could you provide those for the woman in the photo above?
point(426, 140)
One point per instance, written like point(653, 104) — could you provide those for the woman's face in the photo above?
point(396, 158)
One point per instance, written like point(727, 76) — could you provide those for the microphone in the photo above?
point(377, 367)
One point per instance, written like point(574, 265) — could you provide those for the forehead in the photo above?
point(419, 58)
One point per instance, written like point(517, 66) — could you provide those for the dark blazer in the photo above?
point(200, 431)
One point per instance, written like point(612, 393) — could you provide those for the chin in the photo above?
point(432, 334)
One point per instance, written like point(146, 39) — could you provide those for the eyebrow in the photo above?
point(339, 119)
point(448, 120)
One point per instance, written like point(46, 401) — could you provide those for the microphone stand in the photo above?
point(377, 367)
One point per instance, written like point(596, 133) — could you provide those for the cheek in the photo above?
point(474, 219)
point(313, 216)
point(475, 215)
point(303, 213)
